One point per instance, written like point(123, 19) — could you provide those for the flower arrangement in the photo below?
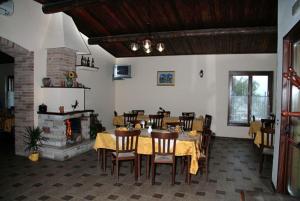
point(70, 76)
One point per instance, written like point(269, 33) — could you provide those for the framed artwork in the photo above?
point(165, 78)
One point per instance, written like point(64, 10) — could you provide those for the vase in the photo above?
point(69, 83)
point(46, 81)
point(34, 156)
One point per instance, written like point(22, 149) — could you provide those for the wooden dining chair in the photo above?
point(156, 121)
point(163, 152)
point(138, 112)
point(267, 144)
point(129, 118)
point(164, 113)
point(267, 123)
point(126, 150)
point(186, 122)
point(188, 114)
point(204, 152)
point(207, 122)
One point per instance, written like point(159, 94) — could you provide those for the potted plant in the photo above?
point(33, 140)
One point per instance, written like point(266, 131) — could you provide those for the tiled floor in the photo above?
point(233, 167)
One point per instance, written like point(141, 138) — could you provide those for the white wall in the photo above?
point(207, 95)
point(5, 70)
point(33, 30)
point(101, 97)
point(285, 22)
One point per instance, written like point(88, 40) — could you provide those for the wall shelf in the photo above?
point(67, 87)
point(88, 68)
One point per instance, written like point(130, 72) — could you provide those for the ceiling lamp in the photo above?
point(147, 46)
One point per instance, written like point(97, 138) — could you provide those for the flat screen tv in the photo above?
point(121, 72)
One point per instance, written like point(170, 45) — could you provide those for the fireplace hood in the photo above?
point(62, 32)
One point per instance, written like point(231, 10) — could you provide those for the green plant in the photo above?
point(33, 139)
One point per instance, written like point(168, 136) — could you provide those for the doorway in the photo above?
point(23, 89)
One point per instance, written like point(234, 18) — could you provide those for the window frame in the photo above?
point(250, 74)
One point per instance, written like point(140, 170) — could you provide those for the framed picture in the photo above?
point(165, 78)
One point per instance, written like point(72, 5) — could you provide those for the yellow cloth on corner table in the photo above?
point(183, 147)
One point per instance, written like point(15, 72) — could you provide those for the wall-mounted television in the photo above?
point(122, 72)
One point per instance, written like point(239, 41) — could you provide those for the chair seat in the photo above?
point(268, 151)
point(124, 155)
point(163, 159)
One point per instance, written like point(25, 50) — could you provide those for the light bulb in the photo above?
point(147, 44)
point(134, 47)
point(160, 47)
point(148, 51)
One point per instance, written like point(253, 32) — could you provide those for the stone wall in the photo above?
point(59, 61)
point(24, 90)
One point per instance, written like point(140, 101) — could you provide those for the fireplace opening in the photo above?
point(73, 130)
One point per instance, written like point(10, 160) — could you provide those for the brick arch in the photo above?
point(24, 89)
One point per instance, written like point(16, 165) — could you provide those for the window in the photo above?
point(250, 94)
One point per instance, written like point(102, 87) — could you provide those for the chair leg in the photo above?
point(206, 169)
point(173, 173)
point(104, 159)
point(153, 173)
point(118, 169)
point(112, 166)
point(147, 167)
point(261, 163)
point(139, 165)
point(136, 168)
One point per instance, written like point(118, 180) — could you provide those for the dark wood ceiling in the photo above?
point(186, 27)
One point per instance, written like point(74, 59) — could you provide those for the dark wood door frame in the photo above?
point(288, 41)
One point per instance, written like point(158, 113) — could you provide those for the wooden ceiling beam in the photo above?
point(65, 5)
point(182, 33)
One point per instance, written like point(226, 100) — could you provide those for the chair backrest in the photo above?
point(129, 118)
point(164, 113)
point(138, 112)
point(207, 122)
point(267, 123)
point(188, 114)
point(164, 143)
point(156, 121)
point(186, 122)
point(267, 137)
point(204, 143)
point(127, 141)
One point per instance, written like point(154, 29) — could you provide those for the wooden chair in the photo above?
point(186, 122)
point(204, 152)
point(267, 123)
point(157, 121)
point(188, 114)
point(129, 118)
point(207, 122)
point(267, 144)
point(126, 149)
point(164, 113)
point(163, 151)
point(138, 112)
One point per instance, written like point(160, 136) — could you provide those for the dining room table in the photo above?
point(197, 123)
point(187, 144)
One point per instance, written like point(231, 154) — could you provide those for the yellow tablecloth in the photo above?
point(184, 146)
point(7, 124)
point(254, 128)
point(197, 123)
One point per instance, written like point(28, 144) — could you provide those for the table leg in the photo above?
point(188, 175)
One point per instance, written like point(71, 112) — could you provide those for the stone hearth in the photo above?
point(57, 146)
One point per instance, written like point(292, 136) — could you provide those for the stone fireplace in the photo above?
point(68, 134)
